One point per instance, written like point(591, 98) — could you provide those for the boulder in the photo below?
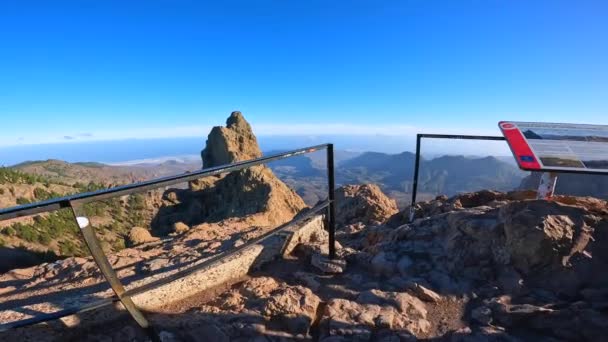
point(138, 235)
point(326, 265)
point(542, 234)
point(363, 203)
point(295, 306)
point(180, 227)
point(425, 294)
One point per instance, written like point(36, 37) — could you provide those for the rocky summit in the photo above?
point(480, 266)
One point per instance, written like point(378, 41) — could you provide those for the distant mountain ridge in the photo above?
point(394, 174)
point(85, 172)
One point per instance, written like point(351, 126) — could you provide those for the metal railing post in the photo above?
point(415, 183)
point(108, 272)
point(331, 209)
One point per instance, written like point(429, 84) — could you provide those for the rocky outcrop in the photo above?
point(502, 249)
point(235, 142)
point(375, 310)
point(363, 203)
point(442, 204)
point(253, 195)
point(483, 266)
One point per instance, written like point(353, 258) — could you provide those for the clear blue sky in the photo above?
point(108, 70)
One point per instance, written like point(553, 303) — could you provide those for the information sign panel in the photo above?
point(558, 147)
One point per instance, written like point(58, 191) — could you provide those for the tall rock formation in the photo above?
point(254, 195)
point(230, 144)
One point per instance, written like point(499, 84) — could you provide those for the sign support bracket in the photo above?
point(546, 187)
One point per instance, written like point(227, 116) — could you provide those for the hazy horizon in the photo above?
point(120, 151)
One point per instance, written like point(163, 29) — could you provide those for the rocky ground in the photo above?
point(482, 266)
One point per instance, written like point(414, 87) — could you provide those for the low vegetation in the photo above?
point(57, 233)
point(10, 176)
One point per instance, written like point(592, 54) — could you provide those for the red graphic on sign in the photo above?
point(519, 146)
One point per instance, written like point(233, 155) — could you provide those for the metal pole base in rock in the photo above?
point(546, 187)
point(412, 213)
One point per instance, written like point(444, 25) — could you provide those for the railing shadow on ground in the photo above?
point(87, 328)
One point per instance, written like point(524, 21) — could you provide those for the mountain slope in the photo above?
point(72, 173)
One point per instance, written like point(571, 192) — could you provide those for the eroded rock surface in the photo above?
point(363, 203)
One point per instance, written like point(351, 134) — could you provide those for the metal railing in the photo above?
point(76, 202)
point(419, 138)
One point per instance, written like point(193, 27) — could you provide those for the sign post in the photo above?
point(546, 187)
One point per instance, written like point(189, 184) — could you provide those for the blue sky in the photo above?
point(95, 70)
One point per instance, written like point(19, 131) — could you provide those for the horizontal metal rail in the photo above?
point(64, 202)
point(459, 136)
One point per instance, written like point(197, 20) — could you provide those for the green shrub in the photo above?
point(44, 238)
point(11, 176)
point(94, 209)
point(9, 231)
point(26, 232)
point(136, 202)
point(22, 200)
point(69, 248)
point(118, 245)
point(41, 194)
point(92, 186)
